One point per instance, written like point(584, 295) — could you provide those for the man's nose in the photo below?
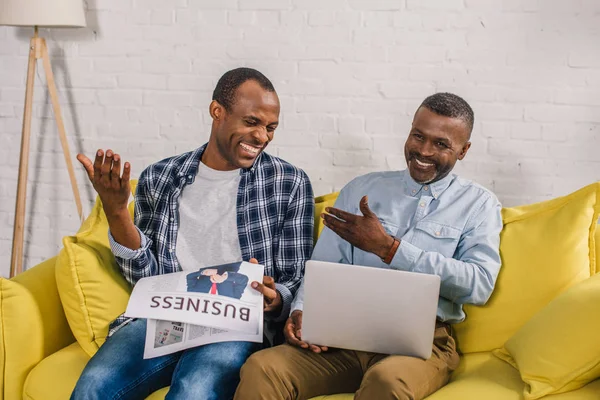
point(426, 149)
point(261, 135)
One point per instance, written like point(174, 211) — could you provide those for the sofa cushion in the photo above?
point(321, 203)
point(92, 290)
point(545, 248)
point(55, 377)
point(483, 376)
point(558, 350)
point(32, 325)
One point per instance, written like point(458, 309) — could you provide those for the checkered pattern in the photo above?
point(275, 209)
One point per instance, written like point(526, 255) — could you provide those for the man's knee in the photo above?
point(260, 365)
point(264, 372)
point(382, 382)
point(94, 383)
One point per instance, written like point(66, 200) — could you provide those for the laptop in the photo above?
point(369, 309)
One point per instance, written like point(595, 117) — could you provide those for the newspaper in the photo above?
point(187, 309)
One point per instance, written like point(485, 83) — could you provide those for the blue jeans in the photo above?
point(118, 370)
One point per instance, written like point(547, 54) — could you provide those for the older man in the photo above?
point(422, 219)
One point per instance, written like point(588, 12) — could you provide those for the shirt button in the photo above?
point(425, 188)
point(437, 234)
point(422, 204)
point(189, 177)
point(414, 191)
point(171, 219)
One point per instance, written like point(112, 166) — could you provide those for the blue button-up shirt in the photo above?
point(275, 215)
point(449, 228)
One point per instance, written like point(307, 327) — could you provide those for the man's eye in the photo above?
point(417, 136)
point(442, 145)
point(250, 123)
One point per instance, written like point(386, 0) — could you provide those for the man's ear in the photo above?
point(464, 150)
point(216, 110)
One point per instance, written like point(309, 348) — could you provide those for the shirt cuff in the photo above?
point(297, 306)
point(406, 256)
point(286, 300)
point(124, 252)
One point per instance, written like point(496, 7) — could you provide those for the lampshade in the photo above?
point(57, 13)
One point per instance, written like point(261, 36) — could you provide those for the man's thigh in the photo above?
point(288, 372)
point(211, 371)
point(118, 370)
point(401, 377)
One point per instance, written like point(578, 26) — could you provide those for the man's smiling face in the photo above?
point(243, 132)
point(434, 145)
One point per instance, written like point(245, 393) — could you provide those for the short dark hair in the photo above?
point(221, 269)
point(224, 92)
point(451, 105)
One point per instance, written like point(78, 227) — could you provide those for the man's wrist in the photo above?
point(387, 259)
point(384, 249)
point(277, 311)
point(118, 216)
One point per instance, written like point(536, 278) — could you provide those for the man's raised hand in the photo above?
point(105, 174)
point(362, 231)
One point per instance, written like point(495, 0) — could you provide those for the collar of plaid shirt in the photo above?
point(275, 207)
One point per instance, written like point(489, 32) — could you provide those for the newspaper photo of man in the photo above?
point(223, 280)
point(167, 333)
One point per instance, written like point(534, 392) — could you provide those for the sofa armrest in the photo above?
point(32, 325)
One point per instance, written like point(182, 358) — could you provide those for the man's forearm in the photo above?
point(123, 230)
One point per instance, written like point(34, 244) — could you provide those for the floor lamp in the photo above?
point(36, 13)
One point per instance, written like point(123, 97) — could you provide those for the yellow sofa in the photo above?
point(40, 358)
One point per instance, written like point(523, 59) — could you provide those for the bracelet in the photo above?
point(392, 252)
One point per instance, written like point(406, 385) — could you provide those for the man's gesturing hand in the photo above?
point(114, 190)
point(293, 333)
point(105, 175)
point(364, 232)
point(271, 297)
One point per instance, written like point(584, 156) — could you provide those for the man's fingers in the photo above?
point(269, 282)
point(87, 164)
point(318, 349)
point(339, 227)
point(270, 308)
point(253, 261)
point(269, 293)
point(115, 173)
point(106, 167)
point(346, 216)
point(126, 174)
point(364, 207)
point(292, 338)
point(98, 164)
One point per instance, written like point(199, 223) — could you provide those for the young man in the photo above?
point(224, 202)
point(422, 219)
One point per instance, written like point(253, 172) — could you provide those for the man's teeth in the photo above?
point(422, 164)
point(249, 148)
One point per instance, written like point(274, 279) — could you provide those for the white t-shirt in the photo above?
point(208, 232)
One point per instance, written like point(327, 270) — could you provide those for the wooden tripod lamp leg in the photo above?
point(61, 126)
point(16, 264)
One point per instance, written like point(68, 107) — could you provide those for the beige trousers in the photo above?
point(287, 372)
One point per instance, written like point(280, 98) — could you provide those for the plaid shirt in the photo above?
point(275, 207)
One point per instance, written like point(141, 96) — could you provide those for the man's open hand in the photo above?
point(105, 174)
point(271, 297)
point(293, 333)
point(362, 231)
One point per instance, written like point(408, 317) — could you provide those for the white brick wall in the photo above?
point(350, 74)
